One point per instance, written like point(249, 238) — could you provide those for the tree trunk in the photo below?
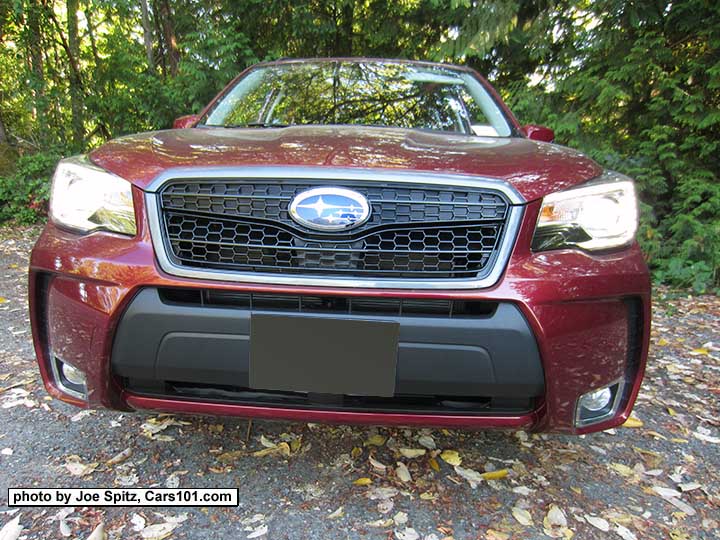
point(91, 35)
point(172, 55)
point(3, 133)
point(34, 45)
point(147, 35)
point(76, 94)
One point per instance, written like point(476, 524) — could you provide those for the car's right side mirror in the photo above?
point(186, 121)
point(538, 133)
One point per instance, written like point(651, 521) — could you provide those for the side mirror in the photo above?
point(538, 133)
point(186, 121)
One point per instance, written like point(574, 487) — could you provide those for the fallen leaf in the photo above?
point(76, 467)
point(705, 437)
point(356, 452)
point(625, 533)
point(621, 469)
point(598, 523)
point(158, 531)
point(340, 512)
point(377, 465)
point(257, 533)
point(119, 458)
point(407, 534)
point(633, 422)
point(282, 448)
point(127, 480)
point(138, 522)
point(434, 465)
point(451, 457)
point(82, 414)
point(555, 522)
point(385, 506)
point(11, 530)
point(375, 440)
point(363, 481)
point(98, 533)
point(229, 457)
point(172, 481)
point(255, 518)
point(400, 519)
point(402, 472)
point(428, 496)
point(495, 475)
point(412, 453)
point(427, 441)
point(267, 443)
point(473, 477)
point(522, 516)
point(381, 493)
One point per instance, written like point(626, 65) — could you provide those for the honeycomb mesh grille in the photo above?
point(416, 232)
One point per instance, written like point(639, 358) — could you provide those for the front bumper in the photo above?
point(588, 317)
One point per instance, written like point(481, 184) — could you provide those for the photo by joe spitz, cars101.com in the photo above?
point(345, 240)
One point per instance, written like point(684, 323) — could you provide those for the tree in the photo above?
point(78, 131)
point(147, 35)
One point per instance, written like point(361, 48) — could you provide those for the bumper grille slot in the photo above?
point(413, 232)
point(329, 304)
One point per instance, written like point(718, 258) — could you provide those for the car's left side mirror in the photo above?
point(538, 133)
point(186, 121)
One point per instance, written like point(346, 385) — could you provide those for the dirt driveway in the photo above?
point(658, 479)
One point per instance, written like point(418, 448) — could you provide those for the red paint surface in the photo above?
point(533, 168)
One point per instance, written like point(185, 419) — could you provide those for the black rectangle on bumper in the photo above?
point(180, 341)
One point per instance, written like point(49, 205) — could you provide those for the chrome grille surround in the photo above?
point(346, 276)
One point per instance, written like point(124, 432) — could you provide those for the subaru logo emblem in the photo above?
point(330, 209)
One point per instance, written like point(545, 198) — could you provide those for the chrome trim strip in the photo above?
point(512, 225)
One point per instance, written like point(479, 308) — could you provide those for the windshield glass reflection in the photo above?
point(413, 96)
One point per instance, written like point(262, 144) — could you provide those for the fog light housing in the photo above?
point(598, 405)
point(69, 379)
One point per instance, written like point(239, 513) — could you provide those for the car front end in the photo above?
point(344, 274)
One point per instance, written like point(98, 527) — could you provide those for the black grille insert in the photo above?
point(418, 232)
point(349, 305)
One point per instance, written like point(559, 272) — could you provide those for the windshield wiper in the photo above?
point(256, 125)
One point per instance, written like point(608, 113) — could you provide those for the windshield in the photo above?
point(384, 94)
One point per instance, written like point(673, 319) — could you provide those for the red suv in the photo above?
point(345, 240)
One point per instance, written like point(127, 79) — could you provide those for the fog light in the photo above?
point(597, 400)
point(69, 379)
point(598, 405)
point(73, 375)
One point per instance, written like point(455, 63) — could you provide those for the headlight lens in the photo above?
point(597, 216)
point(87, 198)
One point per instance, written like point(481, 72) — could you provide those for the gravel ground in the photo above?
point(656, 478)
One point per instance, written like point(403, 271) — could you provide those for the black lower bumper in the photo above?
point(197, 344)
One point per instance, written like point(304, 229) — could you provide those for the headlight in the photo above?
point(600, 215)
point(87, 198)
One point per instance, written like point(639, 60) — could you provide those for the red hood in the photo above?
point(534, 169)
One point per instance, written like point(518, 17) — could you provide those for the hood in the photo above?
point(534, 169)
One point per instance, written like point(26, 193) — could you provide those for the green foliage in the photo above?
point(24, 192)
point(635, 85)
